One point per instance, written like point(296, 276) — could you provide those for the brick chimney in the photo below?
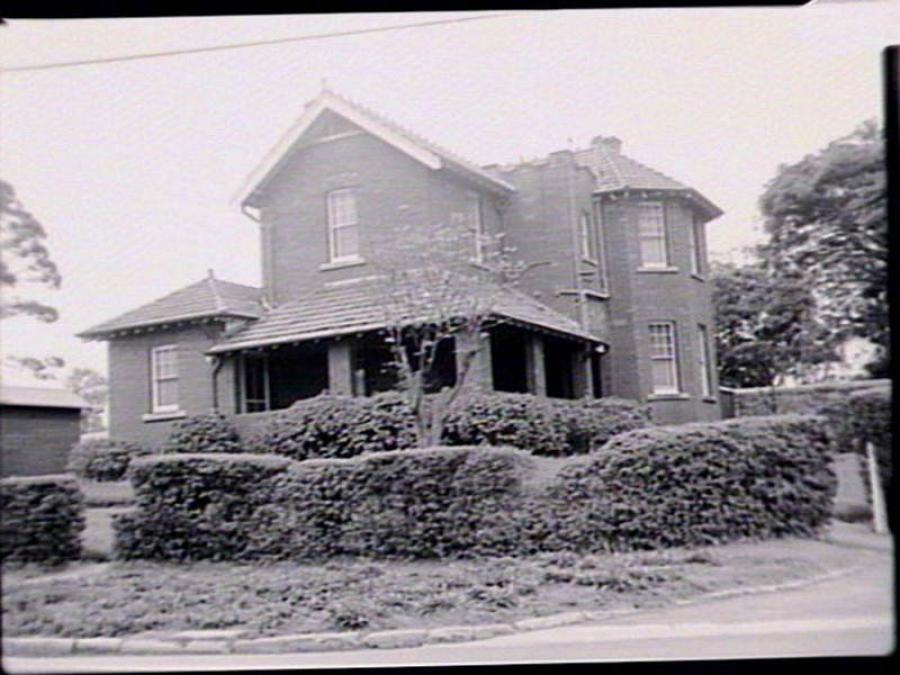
point(610, 143)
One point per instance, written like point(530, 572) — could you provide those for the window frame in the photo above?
point(266, 401)
point(662, 236)
point(672, 358)
point(587, 237)
point(155, 378)
point(332, 226)
point(696, 247)
point(475, 215)
point(705, 362)
point(599, 230)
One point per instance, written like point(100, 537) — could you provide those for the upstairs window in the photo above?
point(164, 378)
point(476, 223)
point(706, 375)
point(586, 231)
point(664, 358)
point(343, 225)
point(696, 247)
point(652, 235)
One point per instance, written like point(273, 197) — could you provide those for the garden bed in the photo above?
point(136, 597)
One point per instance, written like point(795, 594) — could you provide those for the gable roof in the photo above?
point(418, 148)
point(356, 306)
point(41, 397)
point(617, 172)
point(205, 299)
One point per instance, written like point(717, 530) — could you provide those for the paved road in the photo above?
point(848, 616)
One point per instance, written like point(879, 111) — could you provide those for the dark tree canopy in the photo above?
point(826, 217)
point(766, 326)
point(24, 258)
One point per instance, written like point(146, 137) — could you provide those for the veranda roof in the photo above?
point(359, 306)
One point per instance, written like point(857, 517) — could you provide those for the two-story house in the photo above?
point(615, 303)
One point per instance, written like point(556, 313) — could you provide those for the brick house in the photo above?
point(616, 303)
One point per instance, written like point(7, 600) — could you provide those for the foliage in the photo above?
point(766, 326)
point(193, 506)
point(698, 484)
point(330, 425)
point(25, 258)
point(592, 422)
point(826, 217)
point(431, 502)
point(212, 432)
point(431, 296)
point(523, 421)
point(102, 459)
point(93, 388)
point(41, 519)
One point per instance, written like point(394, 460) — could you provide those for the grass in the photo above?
point(133, 597)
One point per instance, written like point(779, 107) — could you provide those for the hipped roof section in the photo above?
point(418, 148)
point(209, 298)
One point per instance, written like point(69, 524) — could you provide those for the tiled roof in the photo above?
point(615, 171)
point(40, 397)
point(422, 149)
point(352, 307)
point(207, 298)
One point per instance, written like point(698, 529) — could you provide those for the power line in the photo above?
point(244, 45)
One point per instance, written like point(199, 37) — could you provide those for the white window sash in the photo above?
point(706, 373)
point(696, 259)
point(341, 216)
point(158, 375)
point(669, 356)
point(477, 220)
point(654, 246)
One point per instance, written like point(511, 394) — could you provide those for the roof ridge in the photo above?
point(217, 298)
point(656, 171)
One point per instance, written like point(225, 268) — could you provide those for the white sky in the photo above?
point(132, 166)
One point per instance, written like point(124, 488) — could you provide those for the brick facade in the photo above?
point(36, 440)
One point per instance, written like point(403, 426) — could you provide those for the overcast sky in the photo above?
point(132, 166)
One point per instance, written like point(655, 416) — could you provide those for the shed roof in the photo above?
point(358, 306)
point(40, 397)
point(208, 298)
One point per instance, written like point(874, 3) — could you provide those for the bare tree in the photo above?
point(440, 284)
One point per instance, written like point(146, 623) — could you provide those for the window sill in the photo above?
point(163, 416)
point(698, 277)
point(710, 399)
point(597, 295)
point(345, 262)
point(658, 270)
point(674, 396)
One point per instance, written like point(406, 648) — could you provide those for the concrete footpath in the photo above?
point(843, 615)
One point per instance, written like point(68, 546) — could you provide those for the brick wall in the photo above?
point(36, 441)
point(130, 385)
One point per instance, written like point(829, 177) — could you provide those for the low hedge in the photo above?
point(211, 432)
point(333, 426)
point(523, 421)
point(698, 484)
point(103, 459)
point(424, 503)
point(41, 519)
point(193, 506)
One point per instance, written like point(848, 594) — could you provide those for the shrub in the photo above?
point(102, 459)
point(41, 518)
point(698, 484)
point(592, 422)
point(212, 432)
point(330, 426)
point(422, 503)
point(523, 421)
point(193, 506)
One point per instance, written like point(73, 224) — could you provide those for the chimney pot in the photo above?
point(611, 143)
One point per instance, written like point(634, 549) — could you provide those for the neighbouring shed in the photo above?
point(37, 428)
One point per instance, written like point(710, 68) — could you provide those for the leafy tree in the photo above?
point(24, 258)
point(766, 326)
point(826, 217)
point(93, 388)
point(434, 295)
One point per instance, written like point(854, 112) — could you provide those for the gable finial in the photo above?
point(325, 84)
point(210, 273)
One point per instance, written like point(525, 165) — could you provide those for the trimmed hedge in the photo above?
point(422, 503)
point(102, 459)
point(332, 426)
point(592, 422)
point(211, 432)
point(523, 421)
point(41, 519)
point(698, 484)
point(193, 506)
point(870, 420)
